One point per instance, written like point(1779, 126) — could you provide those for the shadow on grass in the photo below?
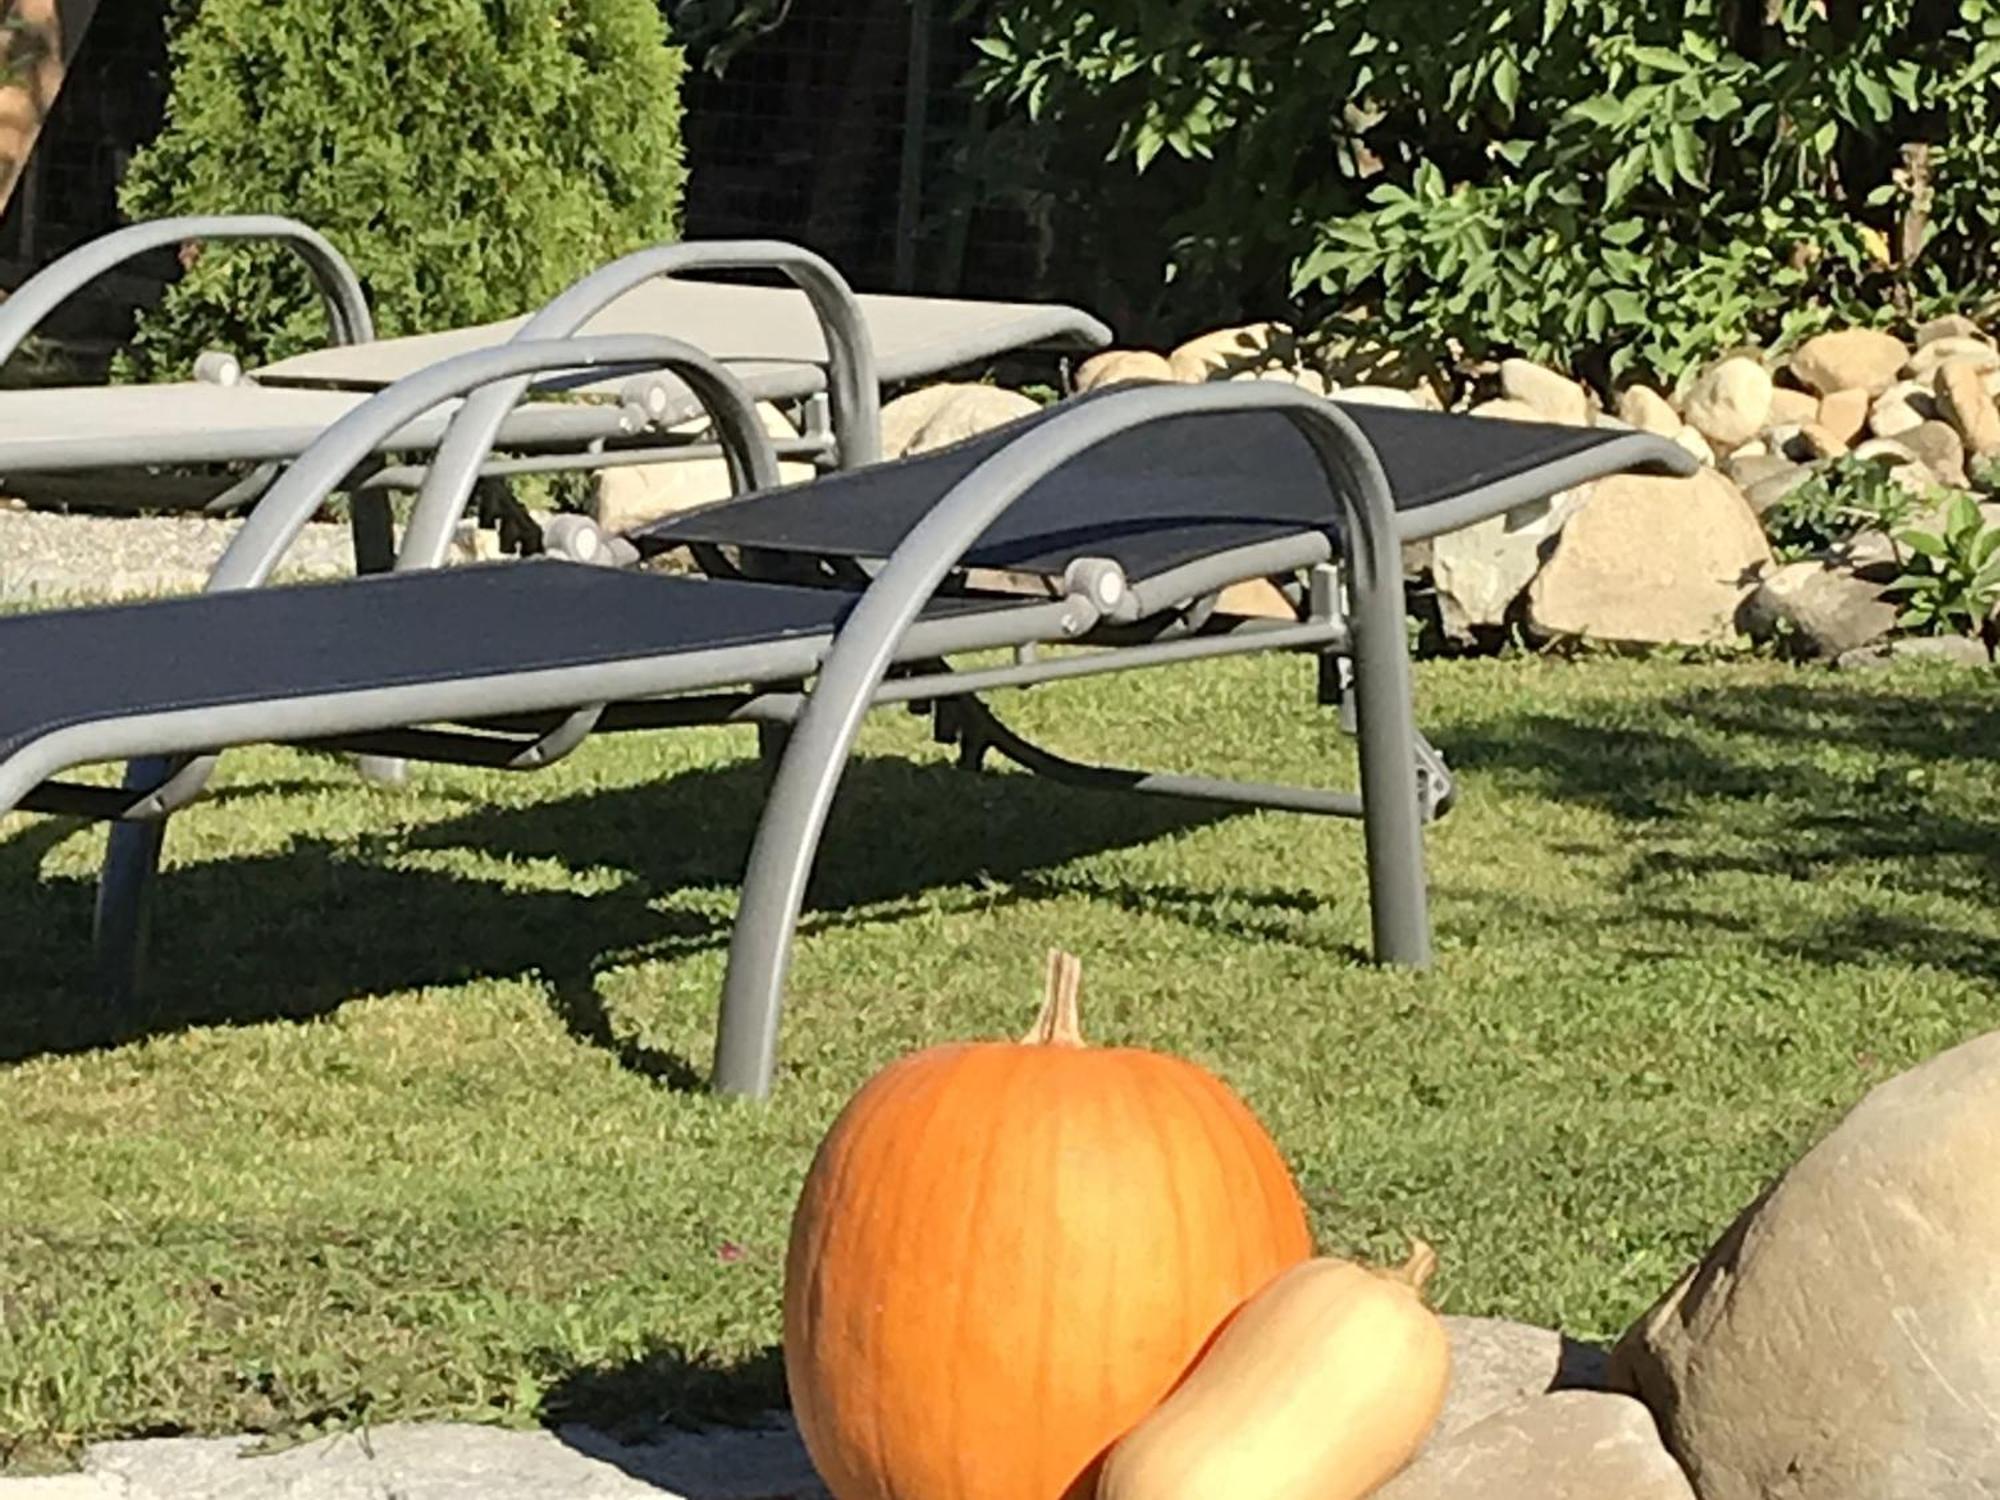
point(1794, 782)
point(293, 935)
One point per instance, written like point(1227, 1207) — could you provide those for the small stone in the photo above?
point(1556, 397)
point(1496, 1364)
point(1230, 351)
point(1646, 409)
point(1793, 408)
point(1696, 444)
point(1506, 409)
point(1305, 380)
point(1959, 650)
point(1893, 418)
point(1764, 493)
point(1885, 451)
point(1569, 1445)
point(1379, 395)
point(1844, 414)
point(1950, 326)
point(1815, 442)
point(1918, 479)
point(1730, 403)
point(1871, 554)
point(1753, 468)
point(1838, 1341)
point(1822, 610)
point(1785, 441)
point(1938, 445)
point(1853, 357)
point(1927, 361)
point(1115, 366)
point(1755, 448)
point(1652, 561)
point(1964, 401)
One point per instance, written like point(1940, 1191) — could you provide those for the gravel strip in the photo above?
point(46, 558)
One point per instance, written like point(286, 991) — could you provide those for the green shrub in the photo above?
point(1835, 505)
point(471, 157)
point(1952, 583)
point(1607, 184)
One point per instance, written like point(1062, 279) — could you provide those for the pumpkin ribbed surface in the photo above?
point(1007, 1254)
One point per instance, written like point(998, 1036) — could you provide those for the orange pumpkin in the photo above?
point(1006, 1254)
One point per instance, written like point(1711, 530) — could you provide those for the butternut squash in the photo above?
point(1319, 1387)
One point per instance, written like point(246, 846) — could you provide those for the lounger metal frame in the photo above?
point(556, 439)
point(884, 630)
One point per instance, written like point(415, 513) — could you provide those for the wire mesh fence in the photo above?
point(844, 127)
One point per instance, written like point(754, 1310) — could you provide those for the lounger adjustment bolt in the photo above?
point(218, 367)
point(1100, 582)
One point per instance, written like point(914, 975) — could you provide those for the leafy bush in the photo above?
point(471, 157)
point(1952, 583)
point(1608, 184)
point(1836, 504)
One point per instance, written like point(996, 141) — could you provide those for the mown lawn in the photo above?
point(414, 1127)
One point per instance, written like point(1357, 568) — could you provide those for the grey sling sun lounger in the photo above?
point(1140, 505)
point(784, 347)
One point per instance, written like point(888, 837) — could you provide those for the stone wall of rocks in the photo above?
point(1649, 561)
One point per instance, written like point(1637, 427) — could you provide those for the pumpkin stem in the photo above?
point(1416, 1272)
point(1058, 1024)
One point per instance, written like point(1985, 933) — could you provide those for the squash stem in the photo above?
point(1417, 1271)
point(1059, 1024)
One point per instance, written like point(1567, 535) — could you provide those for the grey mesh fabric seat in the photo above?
point(1127, 513)
point(785, 344)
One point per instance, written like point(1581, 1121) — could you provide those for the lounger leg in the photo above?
point(373, 520)
point(125, 902)
point(1392, 815)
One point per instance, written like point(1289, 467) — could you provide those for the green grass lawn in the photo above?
point(414, 1129)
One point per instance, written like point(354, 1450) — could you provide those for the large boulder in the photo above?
point(630, 495)
point(1481, 570)
point(1652, 561)
point(941, 415)
point(1842, 1340)
point(1570, 1445)
point(1853, 357)
point(1822, 610)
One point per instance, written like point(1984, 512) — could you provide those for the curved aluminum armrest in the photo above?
point(854, 388)
point(346, 304)
point(802, 792)
point(279, 517)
